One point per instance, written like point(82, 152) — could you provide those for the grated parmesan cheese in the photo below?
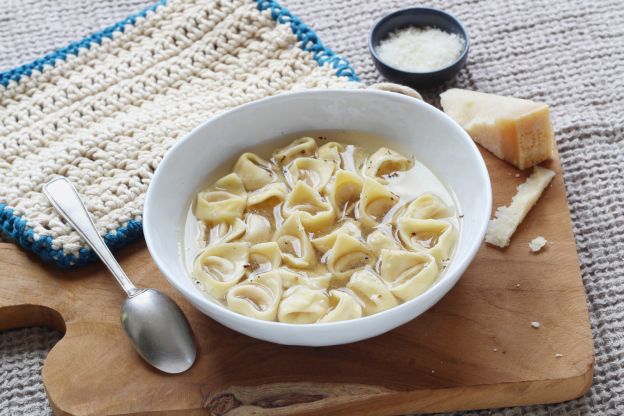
point(420, 50)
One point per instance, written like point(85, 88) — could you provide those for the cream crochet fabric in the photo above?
point(105, 117)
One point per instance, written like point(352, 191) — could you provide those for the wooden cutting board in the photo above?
point(474, 349)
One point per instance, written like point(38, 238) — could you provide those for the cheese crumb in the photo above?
point(415, 49)
point(535, 324)
point(537, 244)
point(506, 219)
point(558, 355)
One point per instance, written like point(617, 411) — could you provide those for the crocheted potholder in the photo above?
point(103, 111)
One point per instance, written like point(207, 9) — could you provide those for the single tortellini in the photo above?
point(372, 292)
point(221, 266)
point(315, 281)
point(302, 147)
point(222, 232)
point(408, 274)
point(225, 201)
point(314, 172)
point(293, 242)
point(263, 258)
point(326, 242)
point(347, 256)
point(267, 196)
point(386, 161)
point(306, 203)
point(375, 202)
point(342, 307)
point(331, 151)
point(436, 237)
point(303, 305)
point(378, 240)
point(254, 171)
point(257, 228)
point(344, 192)
point(354, 158)
point(427, 206)
point(258, 297)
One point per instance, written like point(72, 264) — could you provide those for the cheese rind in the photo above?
point(506, 219)
point(516, 130)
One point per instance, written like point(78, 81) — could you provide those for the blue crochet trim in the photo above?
point(73, 48)
point(17, 227)
point(309, 40)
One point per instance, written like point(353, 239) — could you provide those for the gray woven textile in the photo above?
point(557, 51)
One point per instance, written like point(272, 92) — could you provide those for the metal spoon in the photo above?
point(154, 323)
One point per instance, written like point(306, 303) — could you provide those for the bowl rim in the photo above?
point(215, 307)
point(396, 13)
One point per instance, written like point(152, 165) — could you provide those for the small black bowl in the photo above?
point(418, 17)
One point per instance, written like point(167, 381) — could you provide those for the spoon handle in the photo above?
point(68, 203)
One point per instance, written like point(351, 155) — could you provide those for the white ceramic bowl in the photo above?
point(411, 124)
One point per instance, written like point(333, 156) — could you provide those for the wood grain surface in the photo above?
point(474, 349)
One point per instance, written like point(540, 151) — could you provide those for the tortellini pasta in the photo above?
point(267, 197)
point(221, 232)
point(293, 242)
point(428, 206)
point(408, 274)
point(324, 243)
point(303, 305)
point(375, 202)
point(344, 192)
point(386, 161)
point(342, 306)
point(258, 297)
point(372, 292)
point(331, 151)
point(347, 256)
point(221, 266)
point(378, 240)
point(433, 236)
point(225, 201)
point(264, 257)
point(317, 234)
point(253, 171)
point(315, 281)
point(303, 147)
point(257, 228)
point(307, 204)
point(311, 171)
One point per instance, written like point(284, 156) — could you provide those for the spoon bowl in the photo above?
point(158, 330)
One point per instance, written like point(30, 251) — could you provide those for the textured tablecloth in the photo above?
point(569, 54)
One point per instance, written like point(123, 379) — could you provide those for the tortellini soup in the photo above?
point(320, 230)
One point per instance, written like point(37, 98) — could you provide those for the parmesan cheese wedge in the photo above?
point(506, 219)
point(518, 131)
